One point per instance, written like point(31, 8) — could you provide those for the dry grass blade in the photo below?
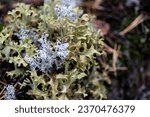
point(1, 94)
point(115, 53)
point(134, 24)
point(115, 57)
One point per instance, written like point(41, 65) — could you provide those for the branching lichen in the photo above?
point(47, 56)
point(62, 44)
point(67, 9)
point(10, 93)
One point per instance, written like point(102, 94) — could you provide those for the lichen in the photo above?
point(56, 56)
point(10, 93)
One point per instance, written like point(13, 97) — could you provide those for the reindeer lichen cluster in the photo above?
point(55, 52)
point(10, 93)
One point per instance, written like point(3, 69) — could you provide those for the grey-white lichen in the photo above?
point(66, 9)
point(10, 93)
point(25, 33)
point(49, 56)
point(72, 3)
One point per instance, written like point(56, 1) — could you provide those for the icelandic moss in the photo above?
point(77, 76)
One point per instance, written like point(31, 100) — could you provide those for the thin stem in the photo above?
point(141, 18)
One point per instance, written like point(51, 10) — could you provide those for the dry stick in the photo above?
point(115, 58)
point(2, 97)
point(2, 90)
point(2, 83)
point(142, 17)
point(1, 93)
point(108, 48)
point(115, 52)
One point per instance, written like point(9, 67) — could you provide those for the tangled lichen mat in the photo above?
point(52, 53)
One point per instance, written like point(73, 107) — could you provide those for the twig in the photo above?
point(1, 97)
point(2, 90)
point(142, 17)
point(115, 57)
point(115, 53)
point(2, 83)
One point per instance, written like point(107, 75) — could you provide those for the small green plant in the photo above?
point(54, 47)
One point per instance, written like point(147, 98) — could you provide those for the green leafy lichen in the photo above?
point(77, 76)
